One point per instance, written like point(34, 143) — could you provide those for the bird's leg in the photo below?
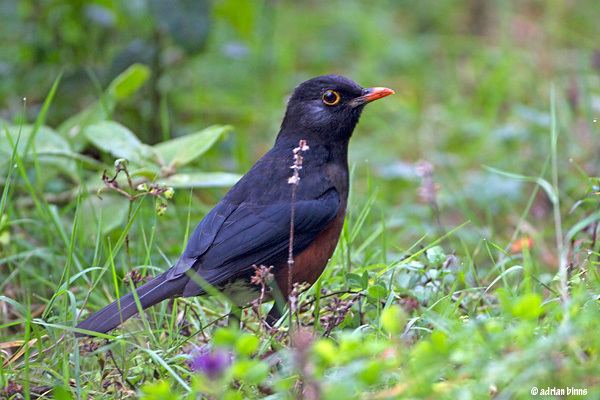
point(279, 303)
point(275, 313)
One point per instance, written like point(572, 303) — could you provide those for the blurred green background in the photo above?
point(473, 80)
point(464, 144)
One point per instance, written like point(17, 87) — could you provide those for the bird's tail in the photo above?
point(149, 294)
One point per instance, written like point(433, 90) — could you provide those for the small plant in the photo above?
point(294, 180)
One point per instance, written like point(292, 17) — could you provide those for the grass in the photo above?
point(477, 280)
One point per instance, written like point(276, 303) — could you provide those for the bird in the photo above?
point(250, 225)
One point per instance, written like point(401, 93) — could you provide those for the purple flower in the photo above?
point(211, 363)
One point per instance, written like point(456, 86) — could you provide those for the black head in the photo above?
point(327, 108)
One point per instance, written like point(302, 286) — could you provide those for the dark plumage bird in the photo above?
point(251, 224)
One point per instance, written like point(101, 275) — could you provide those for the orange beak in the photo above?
point(372, 94)
point(376, 93)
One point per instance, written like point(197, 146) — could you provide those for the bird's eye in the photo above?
point(331, 97)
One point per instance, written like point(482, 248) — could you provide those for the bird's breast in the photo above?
point(310, 263)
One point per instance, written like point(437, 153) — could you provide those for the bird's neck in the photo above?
point(337, 151)
point(330, 158)
point(291, 139)
point(301, 124)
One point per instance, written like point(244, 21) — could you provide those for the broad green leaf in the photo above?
point(326, 351)
point(371, 372)
point(185, 149)
point(439, 340)
point(435, 255)
point(85, 160)
point(528, 306)
point(60, 392)
point(393, 319)
point(377, 292)
point(225, 337)
point(247, 344)
point(365, 280)
point(251, 372)
point(50, 147)
point(150, 172)
point(109, 211)
point(120, 142)
point(160, 390)
point(354, 280)
point(200, 180)
point(128, 82)
point(73, 128)
point(124, 85)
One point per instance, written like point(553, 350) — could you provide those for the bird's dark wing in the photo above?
point(253, 235)
point(202, 237)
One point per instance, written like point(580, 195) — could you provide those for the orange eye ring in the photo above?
point(331, 97)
